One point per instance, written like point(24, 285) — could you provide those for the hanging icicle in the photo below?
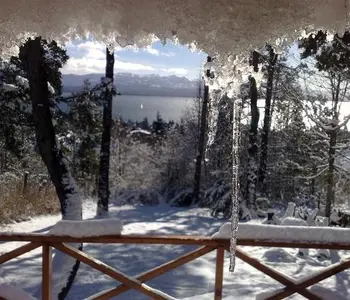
point(235, 180)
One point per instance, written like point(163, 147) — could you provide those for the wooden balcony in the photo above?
point(205, 245)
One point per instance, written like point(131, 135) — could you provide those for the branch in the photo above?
point(314, 176)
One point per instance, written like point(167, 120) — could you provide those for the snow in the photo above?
point(140, 131)
point(193, 281)
point(265, 295)
point(278, 255)
point(23, 82)
point(87, 228)
point(286, 233)
point(160, 293)
point(290, 210)
point(9, 292)
point(50, 88)
point(291, 221)
point(215, 27)
point(7, 87)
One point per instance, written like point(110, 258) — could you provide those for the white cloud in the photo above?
point(156, 52)
point(152, 51)
point(86, 65)
point(176, 71)
point(89, 57)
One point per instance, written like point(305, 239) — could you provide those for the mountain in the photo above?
point(132, 84)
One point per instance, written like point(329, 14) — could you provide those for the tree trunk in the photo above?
point(71, 205)
point(330, 173)
point(253, 147)
point(201, 145)
point(332, 143)
point(103, 181)
point(267, 122)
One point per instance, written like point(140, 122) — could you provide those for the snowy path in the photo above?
point(191, 281)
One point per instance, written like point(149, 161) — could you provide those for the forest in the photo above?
point(294, 139)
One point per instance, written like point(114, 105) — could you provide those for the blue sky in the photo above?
point(89, 57)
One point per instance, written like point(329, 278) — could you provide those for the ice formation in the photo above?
point(235, 181)
point(224, 28)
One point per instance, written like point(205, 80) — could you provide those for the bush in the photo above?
point(18, 203)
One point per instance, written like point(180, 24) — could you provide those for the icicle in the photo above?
point(235, 181)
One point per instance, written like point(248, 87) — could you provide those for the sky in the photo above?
point(89, 57)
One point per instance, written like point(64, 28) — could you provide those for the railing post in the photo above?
point(219, 275)
point(46, 272)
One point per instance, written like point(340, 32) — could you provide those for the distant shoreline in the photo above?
point(65, 91)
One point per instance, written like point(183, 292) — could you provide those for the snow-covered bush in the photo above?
point(137, 196)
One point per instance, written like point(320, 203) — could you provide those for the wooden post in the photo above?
point(46, 272)
point(219, 276)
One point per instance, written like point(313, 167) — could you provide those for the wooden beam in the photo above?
point(18, 251)
point(46, 272)
point(285, 280)
point(219, 275)
point(155, 272)
point(119, 239)
point(322, 275)
point(107, 270)
point(168, 240)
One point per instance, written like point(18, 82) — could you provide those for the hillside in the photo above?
point(132, 84)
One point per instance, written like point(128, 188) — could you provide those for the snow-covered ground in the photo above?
point(194, 280)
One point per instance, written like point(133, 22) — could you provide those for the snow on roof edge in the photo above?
point(224, 27)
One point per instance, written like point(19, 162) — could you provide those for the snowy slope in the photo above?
point(192, 281)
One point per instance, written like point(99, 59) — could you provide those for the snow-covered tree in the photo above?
point(103, 179)
point(331, 58)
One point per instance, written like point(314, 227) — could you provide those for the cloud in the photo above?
point(156, 52)
point(152, 51)
point(89, 57)
point(176, 71)
point(89, 65)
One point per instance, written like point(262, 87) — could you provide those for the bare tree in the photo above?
point(202, 140)
point(272, 58)
point(103, 181)
point(253, 147)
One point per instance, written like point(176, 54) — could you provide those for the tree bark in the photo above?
point(45, 134)
point(71, 205)
point(201, 145)
point(253, 147)
point(103, 181)
point(267, 121)
point(330, 173)
point(332, 143)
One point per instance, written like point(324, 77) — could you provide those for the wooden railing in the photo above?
point(206, 245)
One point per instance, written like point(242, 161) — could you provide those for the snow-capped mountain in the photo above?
point(133, 84)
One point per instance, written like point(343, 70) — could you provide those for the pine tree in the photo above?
point(159, 126)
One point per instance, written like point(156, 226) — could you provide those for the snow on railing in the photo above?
point(286, 233)
point(87, 228)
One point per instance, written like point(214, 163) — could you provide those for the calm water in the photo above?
point(137, 108)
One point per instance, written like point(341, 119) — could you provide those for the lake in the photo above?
point(137, 108)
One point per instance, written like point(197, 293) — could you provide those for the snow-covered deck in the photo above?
point(249, 235)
